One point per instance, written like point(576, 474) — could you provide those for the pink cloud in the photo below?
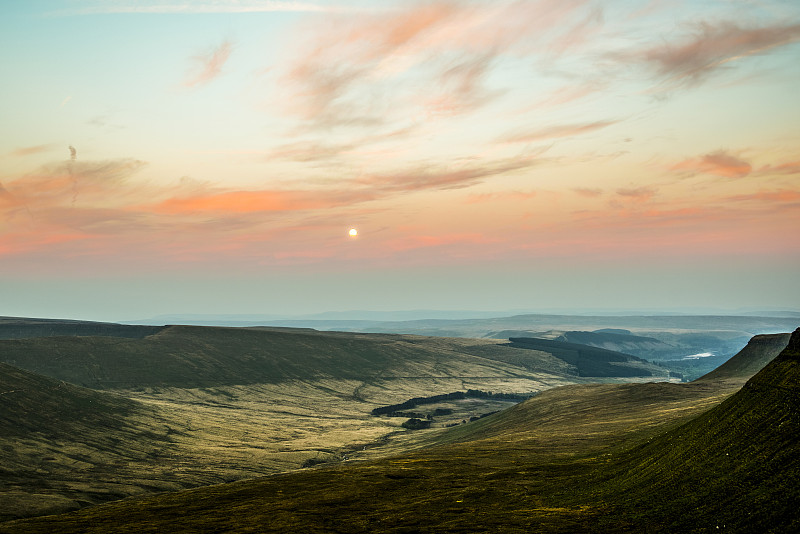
point(243, 202)
point(638, 194)
point(783, 196)
point(413, 242)
point(588, 192)
point(209, 66)
point(792, 167)
point(719, 163)
point(504, 195)
point(350, 74)
point(714, 45)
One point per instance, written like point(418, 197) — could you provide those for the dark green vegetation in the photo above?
point(455, 395)
point(588, 361)
point(654, 457)
point(19, 327)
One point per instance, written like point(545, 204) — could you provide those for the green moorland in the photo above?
point(191, 406)
point(706, 456)
point(191, 356)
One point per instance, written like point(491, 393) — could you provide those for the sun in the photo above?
point(353, 232)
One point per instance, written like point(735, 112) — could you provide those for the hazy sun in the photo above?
point(353, 232)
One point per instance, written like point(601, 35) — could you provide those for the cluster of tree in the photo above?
point(416, 424)
point(397, 409)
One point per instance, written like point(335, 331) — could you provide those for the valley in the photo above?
point(94, 419)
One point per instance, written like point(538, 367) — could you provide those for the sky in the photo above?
point(212, 156)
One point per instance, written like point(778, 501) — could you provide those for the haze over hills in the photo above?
point(610, 458)
point(687, 345)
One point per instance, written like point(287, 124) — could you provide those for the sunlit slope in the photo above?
point(189, 356)
point(734, 466)
point(53, 435)
point(609, 412)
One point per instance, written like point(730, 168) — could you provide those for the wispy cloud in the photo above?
point(791, 167)
point(501, 196)
point(209, 66)
point(554, 132)
point(303, 151)
point(30, 150)
point(362, 68)
point(638, 194)
point(714, 45)
point(434, 178)
point(719, 163)
point(588, 192)
point(157, 7)
point(782, 197)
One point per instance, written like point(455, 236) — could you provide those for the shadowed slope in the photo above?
point(590, 361)
point(758, 352)
point(189, 356)
point(733, 468)
point(53, 433)
point(22, 327)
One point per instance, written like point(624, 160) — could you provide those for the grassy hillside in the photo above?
point(734, 468)
point(758, 352)
point(188, 356)
point(604, 458)
point(54, 435)
point(220, 404)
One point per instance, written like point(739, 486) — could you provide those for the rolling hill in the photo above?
point(586, 458)
point(56, 436)
point(758, 352)
point(193, 356)
point(590, 361)
point(187, 406)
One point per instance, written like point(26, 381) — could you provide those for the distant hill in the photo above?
point(749, 324)
point(758, 352)
point(590, 361)
point(193, 356)
point(20, 328)
point(619, 341)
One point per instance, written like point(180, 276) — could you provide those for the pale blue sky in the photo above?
point(493, 155)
